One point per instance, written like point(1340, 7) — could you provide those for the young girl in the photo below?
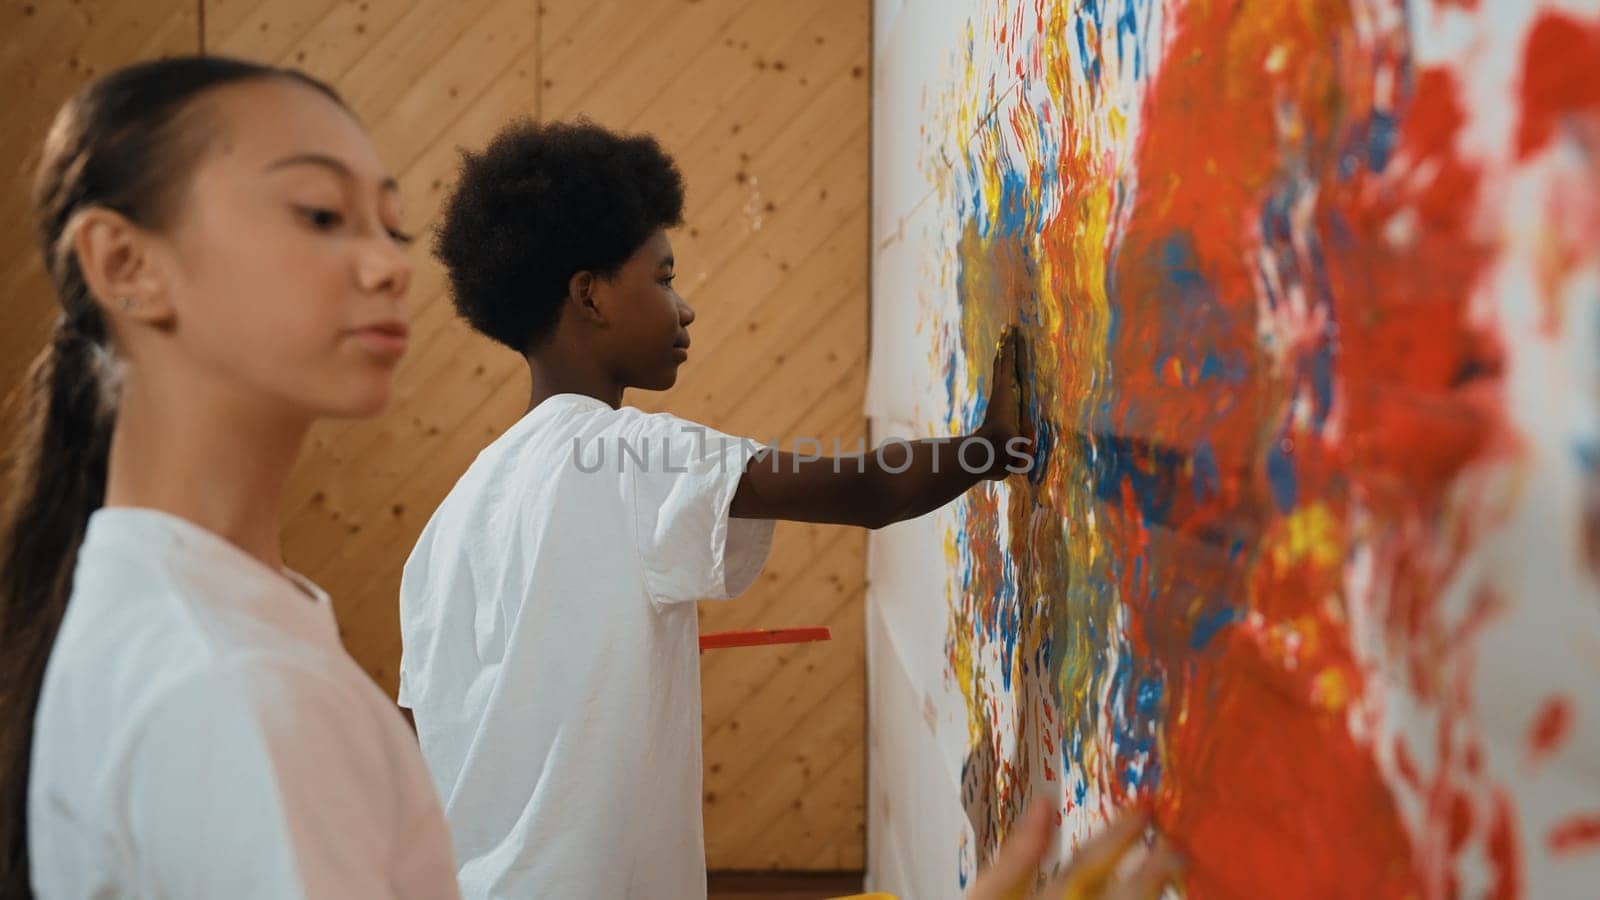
point(179, 717)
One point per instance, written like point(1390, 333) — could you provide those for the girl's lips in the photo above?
point(682, 353)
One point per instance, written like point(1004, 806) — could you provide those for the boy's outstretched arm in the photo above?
point(902, 479)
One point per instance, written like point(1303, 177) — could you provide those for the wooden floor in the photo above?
point(787, 886)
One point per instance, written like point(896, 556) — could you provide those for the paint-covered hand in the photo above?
point(1095, 872)
point(1005, 422)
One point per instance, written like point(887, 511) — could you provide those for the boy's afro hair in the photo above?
point(544, 201)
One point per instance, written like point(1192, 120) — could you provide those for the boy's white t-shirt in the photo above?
point(202, 733)
point(552, 648)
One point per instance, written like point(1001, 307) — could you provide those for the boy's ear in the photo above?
point(581, 290)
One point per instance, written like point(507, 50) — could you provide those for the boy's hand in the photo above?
point(877, 489)
point(1005, 418)
point(1095, 872)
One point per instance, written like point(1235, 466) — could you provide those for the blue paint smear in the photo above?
point(1209, 623)
point(1016, 204)
point(1207, 474)
point(1280, 471)
point(1131, 723)
point(1191, 316)
point(1148, 697)
point(1322, 382)
point(1319, 272)
point(1588, 454)
point(1119, 683)
point(1339, 230)
point(1348, 164)
point(1223, 369)
point(1044, 440)
point(1268, 287)
point(1178, 259)
point(1128, 27)
point(1381, 138)
point(1091, 63)
point(1154, 472)
point(1277, 227)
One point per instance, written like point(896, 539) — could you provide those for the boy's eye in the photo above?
point(666, 281)
point(400, 237)
point(320, 219)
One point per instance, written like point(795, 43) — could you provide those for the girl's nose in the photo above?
point(384, 267)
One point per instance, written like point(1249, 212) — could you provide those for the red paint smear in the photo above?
point(1557, 91)
point(1408, 767)
point(1578, 834)
point(1556, 78)
point(1551, 728)
point(1423, 379)
point(1460, 821)
point(754, 637)
point(1264, 786)
point(1503, 852)
point(1275, 800)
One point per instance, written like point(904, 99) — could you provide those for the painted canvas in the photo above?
point(1310, 560)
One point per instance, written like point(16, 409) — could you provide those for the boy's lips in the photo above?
point(385, 338)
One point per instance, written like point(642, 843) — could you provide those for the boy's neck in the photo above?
point(553, 374)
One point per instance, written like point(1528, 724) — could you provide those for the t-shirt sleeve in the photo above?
point(250, 781)
point(682, 477)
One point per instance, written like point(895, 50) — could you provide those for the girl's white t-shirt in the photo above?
point(202, 733)
point(552, 648)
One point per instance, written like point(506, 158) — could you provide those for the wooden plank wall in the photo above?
point(765, 106)
point(50, 49)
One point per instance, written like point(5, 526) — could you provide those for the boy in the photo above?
point(551, 640)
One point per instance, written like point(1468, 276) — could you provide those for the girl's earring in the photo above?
point(125, 303)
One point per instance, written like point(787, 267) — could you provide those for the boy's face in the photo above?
point(650, 322)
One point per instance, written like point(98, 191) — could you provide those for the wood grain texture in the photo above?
point(52, 48)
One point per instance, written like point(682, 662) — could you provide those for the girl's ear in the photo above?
point(581, 292)
point(119, 266)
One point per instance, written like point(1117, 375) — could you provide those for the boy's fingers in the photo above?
point(1008, 344)
point(1097, 859)
point(1006, 371)
point(1018, 858)
point(1057, 888)
point(1147, 881)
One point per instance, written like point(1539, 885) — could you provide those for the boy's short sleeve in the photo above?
point(681, 477)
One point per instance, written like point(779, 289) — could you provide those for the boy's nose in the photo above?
point(685, 313)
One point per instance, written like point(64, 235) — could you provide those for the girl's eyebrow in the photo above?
point(330, 163)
